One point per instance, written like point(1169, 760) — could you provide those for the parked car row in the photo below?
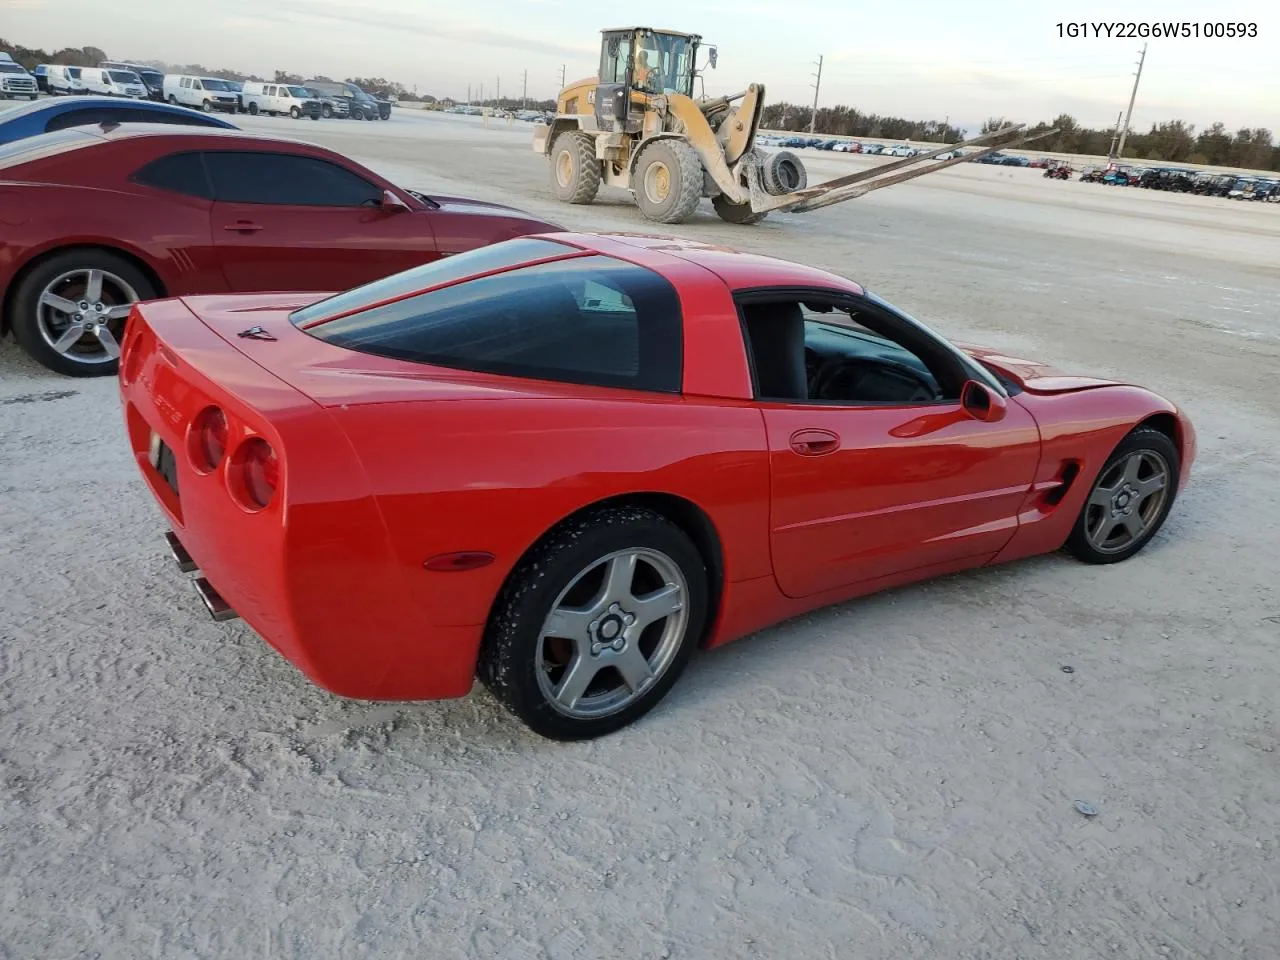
point(1179, 180)
point(312, 98)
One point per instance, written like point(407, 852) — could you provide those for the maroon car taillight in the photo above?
point(209, 434)
point(257, 471)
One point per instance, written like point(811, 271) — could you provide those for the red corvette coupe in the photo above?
point(95, 218)
point(563, 462)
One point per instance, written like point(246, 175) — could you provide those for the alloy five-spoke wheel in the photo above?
point(70, 309)
point(612, 633)
point(1129, 500)
point(81, 314)
point(596, 623)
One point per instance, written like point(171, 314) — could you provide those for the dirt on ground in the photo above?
point(894, 777)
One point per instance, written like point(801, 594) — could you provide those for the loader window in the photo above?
point(615, 58)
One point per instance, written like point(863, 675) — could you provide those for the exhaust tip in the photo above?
point(218, 608)
point(179, 553)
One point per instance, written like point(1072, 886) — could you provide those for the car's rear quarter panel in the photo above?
point(495, 476)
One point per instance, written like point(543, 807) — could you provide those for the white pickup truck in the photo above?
point(15, 81)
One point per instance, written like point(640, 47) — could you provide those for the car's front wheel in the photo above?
point(596, 624)
point(1130, 499)
point(70, 311)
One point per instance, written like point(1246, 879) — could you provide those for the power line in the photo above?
point(813, 117)
point(1132, 96)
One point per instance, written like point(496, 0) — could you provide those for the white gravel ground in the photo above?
point(892, 778)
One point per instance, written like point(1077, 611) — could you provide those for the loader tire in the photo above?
point(575, 171)
point(740, 213)
point(667, 181)
point(783, 173)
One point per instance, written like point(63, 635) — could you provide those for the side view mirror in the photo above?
point(983, 403)
point(711, 57)
point(392, 203)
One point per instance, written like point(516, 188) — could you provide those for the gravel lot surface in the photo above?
point(891, 778)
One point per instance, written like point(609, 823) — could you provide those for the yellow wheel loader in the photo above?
point(637, 125)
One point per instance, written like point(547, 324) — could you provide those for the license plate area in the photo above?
point(162, 457)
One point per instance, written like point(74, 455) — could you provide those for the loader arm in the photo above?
point(864, 181)
point(742, 123)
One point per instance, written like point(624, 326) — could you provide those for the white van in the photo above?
point(203, 93)
point(114, 83)
point(64, 80)
point(279, 98)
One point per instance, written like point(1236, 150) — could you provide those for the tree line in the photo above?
point(1174, 141)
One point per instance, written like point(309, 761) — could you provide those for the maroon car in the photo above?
point(95, 218)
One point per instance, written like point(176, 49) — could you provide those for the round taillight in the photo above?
point(260, 471)
point(210, 436)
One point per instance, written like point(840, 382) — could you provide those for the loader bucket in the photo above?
point(899, 171)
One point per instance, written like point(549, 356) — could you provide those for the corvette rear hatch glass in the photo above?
point(582, 318)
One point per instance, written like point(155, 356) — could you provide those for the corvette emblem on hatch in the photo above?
point(256, 333)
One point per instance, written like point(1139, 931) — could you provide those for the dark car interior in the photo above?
point(820, 352)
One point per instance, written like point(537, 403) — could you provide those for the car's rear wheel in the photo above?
point(596, 624)
point(253, 109)
point(70, 311)
point(1130, 499)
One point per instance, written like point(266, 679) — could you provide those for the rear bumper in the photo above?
point(313, 573)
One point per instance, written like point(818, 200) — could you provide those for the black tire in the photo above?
point(784, 172)
point(253, 108)
point(25, 319)
point(1150, 443)
point(206, 106)
point(295, 113)
point(739, 213)
point(327, 111)
point(575, 171)
point(676, 162)
point(509, 657)
point(173, 101)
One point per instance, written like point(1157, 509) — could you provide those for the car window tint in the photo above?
point(496, 256)
point(178, 172)
point(75, 118)
point(592, 320)
point(289, 179)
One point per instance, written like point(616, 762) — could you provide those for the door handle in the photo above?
point(814, 443)
point(243, 226)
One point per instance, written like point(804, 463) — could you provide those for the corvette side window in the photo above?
point(179, 173)
point(821, 351)
point(75, 118)
point(286, 179)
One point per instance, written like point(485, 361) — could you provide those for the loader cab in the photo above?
point(656, 62)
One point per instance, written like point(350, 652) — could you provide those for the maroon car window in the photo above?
point(593, 320)
point(286, 179)
point(179, 172)
point(496, 256)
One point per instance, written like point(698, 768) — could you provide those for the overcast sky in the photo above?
point(922, 59)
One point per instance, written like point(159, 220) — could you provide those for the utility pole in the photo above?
point(497, 96)
point(468, 94)
point(1115, 135)
point(562, 76)
point(482, 94)
point(813, 117)
point(524, 92)
point(1133, 96)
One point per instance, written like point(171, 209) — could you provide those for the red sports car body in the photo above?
point(396, 486)
point(94, 218)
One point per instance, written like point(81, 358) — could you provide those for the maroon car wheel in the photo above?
point(70, 310)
